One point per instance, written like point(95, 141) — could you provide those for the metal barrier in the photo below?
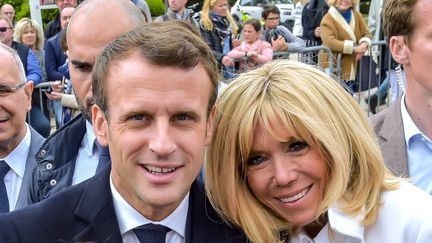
point(308, 55)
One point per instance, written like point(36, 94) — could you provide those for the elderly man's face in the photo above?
point(15, 102)
point(6, 33)
point(9, 11)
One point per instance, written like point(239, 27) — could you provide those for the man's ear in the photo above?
point(28, 89)
point(399, 49)
point(210, 124)
point(100, 125)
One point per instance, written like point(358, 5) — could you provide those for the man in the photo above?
point(32, 70)
point(72, 155)
point(8, 11)
point(157, 128)
point(405, 128)
point(177, 10)
point(277, 35)
point(18, 141)
point(54, 26)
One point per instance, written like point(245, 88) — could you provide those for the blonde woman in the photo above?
point(345, 32)
point(218, 29)
point(293, 159)
point(28, 32)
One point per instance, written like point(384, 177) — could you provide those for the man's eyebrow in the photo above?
point(81, 63)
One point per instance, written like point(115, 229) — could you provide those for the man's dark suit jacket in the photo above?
point(85, 213)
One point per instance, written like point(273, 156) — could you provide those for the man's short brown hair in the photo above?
point(398, 18)
point(169, 43)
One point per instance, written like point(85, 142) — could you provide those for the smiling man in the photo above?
point(18, 141)
point(157, 128)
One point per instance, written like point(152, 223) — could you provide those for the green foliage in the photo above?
point(157, 7)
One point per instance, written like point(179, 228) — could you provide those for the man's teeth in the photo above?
point(158, 170)
point(295, 197)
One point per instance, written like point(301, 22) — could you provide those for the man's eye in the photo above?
point(137, 117)
point(183, 117)
point(255, 160)
point(84, 68)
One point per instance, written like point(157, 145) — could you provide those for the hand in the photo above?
point(54, 95)
point(317, 31)
point(279, 44)
point(235, 43)
point(57, 86)
point(252, 54)
point(227, 61)
point(362, 48)
point(358, 56)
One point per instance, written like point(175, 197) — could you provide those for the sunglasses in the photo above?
point(3, 29)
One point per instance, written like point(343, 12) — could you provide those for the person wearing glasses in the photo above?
point(278, 35)
point(18, 141)
point(32, 71)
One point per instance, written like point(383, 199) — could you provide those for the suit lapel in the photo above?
point(96, 209)
point(36, 141)
point(394, 146)
point(204, 224)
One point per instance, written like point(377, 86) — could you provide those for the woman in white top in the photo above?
point(293, 159)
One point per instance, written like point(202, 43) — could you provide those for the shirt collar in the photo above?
point(410, 128)
point(17, 159)
point(129, 218)
point(89, 139)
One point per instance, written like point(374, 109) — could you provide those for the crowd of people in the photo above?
point(184, 128)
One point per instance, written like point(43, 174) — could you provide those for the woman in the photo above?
point(253, 49)
point(345, 32)
point(293, 159)
point(218, 29)
point(28, 32)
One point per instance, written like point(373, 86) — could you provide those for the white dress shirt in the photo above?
point(87, 158)
point(419, 152)
point(17, 161)
point(128, 218)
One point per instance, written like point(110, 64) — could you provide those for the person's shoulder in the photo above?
point(408, 202)
point(378, 119)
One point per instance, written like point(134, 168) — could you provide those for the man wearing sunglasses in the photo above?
point(18, 141)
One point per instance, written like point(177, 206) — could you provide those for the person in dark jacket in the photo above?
point(71, 154)
point(54, 26)
point(157, 128)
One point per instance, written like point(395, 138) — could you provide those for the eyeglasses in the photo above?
point(6, 90)
point(3, 29)
point(273, 18)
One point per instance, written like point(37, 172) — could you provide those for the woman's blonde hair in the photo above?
point(314, 107)
point(207, 23)
point(23, 25)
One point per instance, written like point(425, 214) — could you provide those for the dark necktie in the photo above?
point(4, 201)
point(104, 156)
point(151, 233)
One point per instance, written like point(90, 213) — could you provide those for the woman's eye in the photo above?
point(255, 160)
point(297, 146)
